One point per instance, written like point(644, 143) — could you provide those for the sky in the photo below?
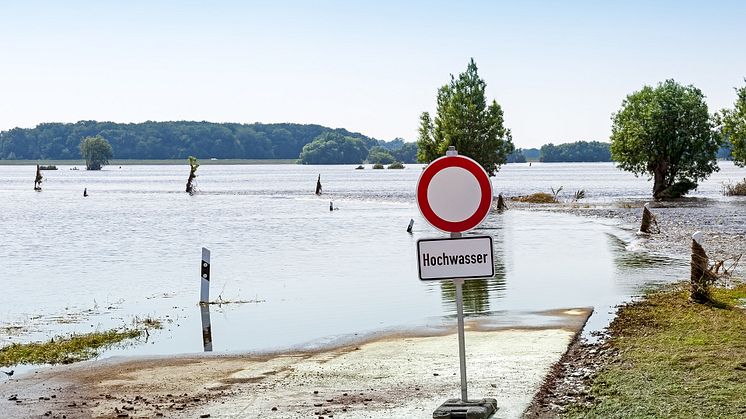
point(558, 69)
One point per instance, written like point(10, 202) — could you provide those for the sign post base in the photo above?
point(473, 409)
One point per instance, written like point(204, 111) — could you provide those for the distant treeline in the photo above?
point(579, 151)
point(169, 140)
point(311, 144)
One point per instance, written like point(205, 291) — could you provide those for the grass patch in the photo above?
point(536, 198)
point(64, 349)
point(676, 359)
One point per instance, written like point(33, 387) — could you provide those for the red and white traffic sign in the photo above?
point(454, 194)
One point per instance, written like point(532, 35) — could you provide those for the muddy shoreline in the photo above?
point(724, 226)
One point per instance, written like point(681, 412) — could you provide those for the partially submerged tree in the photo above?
point(193, 165)
point(464, 120)
point(39, 178)
point(96, 151)
point(734, 127)
point(666, 133)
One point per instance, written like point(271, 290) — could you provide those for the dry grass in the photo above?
point(536, 198)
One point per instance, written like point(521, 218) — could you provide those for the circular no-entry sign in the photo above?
point(454, 194)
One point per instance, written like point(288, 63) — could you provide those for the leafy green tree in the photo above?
point(379, 154)
point(516, 156)
point(579, 151)
point(407, 153)
point(96, 151)
point(667, 133)
point(734, 127)
point(464, 120)
point(334, 148)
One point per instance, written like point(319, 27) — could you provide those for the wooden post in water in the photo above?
point(318, 185)
point(193, 165)
point(39, 178)
point(501, 203)
point(648, 221)
point(411, 224)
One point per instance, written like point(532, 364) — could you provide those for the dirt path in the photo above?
point(391, 377)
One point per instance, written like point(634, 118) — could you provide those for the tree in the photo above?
point(667, 133)
point(734, 127)
point(379, 154)
point(96, 151)
point(464, 120)
point(334, 148)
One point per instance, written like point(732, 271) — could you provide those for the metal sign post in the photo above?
point(458, 283)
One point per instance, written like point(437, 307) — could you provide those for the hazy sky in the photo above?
point(559, 69)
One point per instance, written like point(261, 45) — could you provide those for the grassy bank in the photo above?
point(675, 359)
point(122, 162)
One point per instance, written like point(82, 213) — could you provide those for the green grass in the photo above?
point(677, 359)
point(65, 349)
point(122, 162)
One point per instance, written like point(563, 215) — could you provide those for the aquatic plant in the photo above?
point(378, 166)
point(580, 194)
point(396, 165)
point(64, 349)
point(555, 193)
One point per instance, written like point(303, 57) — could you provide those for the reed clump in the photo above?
point(735, 189)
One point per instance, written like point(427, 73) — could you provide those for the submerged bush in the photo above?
point(378, 166)
point(396, 165)
point(737, 189)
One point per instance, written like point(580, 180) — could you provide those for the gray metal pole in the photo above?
point(461, 339)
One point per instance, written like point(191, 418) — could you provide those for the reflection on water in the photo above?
point(627, 259)
point(476, 294)
point(204, 310)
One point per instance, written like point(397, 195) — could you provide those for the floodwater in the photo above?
point(295, 274)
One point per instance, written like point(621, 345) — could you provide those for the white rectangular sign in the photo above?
point(451, 258)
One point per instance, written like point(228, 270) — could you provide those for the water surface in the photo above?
point(312, 276)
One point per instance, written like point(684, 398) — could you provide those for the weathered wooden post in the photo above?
point(701, 276)
point(411, 224)
point(39, 178)
point(648, 219)
point(193, 165)
point(318, 185)
point(501, 203)
point(204, 296)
